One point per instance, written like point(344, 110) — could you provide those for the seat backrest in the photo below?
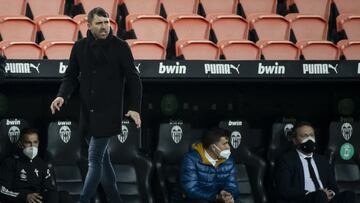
point(350, 25)
point(13, 7)
point(148, 27)
point(46, 7)
point(197, 50)
point(141, 7)
point(133, 170)
point(309, 7)
point(279, 50)
point(10, 129)
point(179, 7)
point(190, 27)
point(57, 28)
point(347, 7)
point(319, 50)
point(57, 49)
point(17, 28)
point(350, 49)
point(251, 7)
point(270, 27)
point(229, 27)
point(151, 50)
point(82, 27)
point(21, 50)
point(110, 6)
point(214, 7)
point(239, 131)
point(240, 50)
point(64, 152)
point(308, 27)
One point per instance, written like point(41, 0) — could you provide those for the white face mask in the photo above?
point(30, 152)
point(224, 153)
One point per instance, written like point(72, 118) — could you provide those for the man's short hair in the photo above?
point(27, 131)
point(97, 11)
point(300, 124)
point(213, 136)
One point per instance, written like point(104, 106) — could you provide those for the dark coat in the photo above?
point(2, 69)
point(289, 176)
point(101, 67)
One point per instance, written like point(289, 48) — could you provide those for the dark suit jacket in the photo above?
point(289, 176)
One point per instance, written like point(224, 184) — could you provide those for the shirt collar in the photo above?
point(302, 155)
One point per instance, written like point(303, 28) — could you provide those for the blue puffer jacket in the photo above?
point(201, 180)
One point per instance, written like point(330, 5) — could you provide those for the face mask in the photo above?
point(225, 154)
point(308, 145)
point(30, 152)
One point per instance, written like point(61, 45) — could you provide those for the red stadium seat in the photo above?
point(239, 50)
point(350, 49)
point(141, 7)
point(319, 50)
point(148, 27)
point(229, 27)
point(57, 28)
point(310, 7)
point(57, 49)
point(251, 7)
point(81, 21)
point(224, 7)
point(197, 50)
point(147, 50)
point(21, 50)
point(109, 5)
point(308, 27)
point(180, 7)
point(279, 50)
point(347, 6)
point(17, 28)
point(46, 7)
point(190, 27)
point(12, 7)
point(270, 27)
point(350, 24)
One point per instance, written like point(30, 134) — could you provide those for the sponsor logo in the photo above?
point(62, 68)
point(235, 139)
point(14, 134)
point(347, 151)
point(346, 131)
point(123, 136)
point(176, 133)
point(235, 123)
point(172, 69)
point(13, 122)
point(221, 69)
point(60, 123)
point(271, 70)
point(65, 133)
point(319, 69)
point(137, 66)
point(22, 68)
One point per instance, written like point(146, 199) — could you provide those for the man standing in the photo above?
point(100, 64)
point(302, 176)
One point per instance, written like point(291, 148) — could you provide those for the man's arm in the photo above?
point(232, 185)
point(189, 181)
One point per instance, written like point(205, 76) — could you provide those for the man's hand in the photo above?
point(34, 198)
point(329, 193)
point(226, 196)
point(56, 104)
point(135, 116)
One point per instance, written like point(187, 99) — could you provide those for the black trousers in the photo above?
point(320, 197)
point(49, 197)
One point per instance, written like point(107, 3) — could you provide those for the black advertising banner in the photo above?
point(202, 70)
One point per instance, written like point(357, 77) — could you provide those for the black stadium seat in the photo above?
point(133, 170)
point(174, 142)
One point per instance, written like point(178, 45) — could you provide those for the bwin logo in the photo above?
point(65, 133)
point(123, 136)
point(21, 67)
point(271, 70)
point(319, 68)
point(223, 69)
point(172, 69)
point(62, 68)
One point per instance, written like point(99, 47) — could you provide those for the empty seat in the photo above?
point(349, 26)
point(57, 49)
point(151, 50)
point(350, 49)
point(46, 7)
point(190, 27)
point(13, 7)
point(140, 7)
point(239, 50)
point(17, 28)
point(279, 50)
point(347, 7)
point(57, 28)
point(310, 7)
point(319, 50)
point(228, 27)
point(109, 5)
point(148, 27)
point(250, 7)
point(308, 27)
point(197, 50)
point(81, 21)
point(224, 7)
point(269, 27)
point(179, 7)
point(21, 50)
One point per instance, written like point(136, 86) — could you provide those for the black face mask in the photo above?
point(308, 146)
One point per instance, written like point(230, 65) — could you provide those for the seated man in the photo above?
point(208, 172)
point(303, 176)
point(25, 177)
